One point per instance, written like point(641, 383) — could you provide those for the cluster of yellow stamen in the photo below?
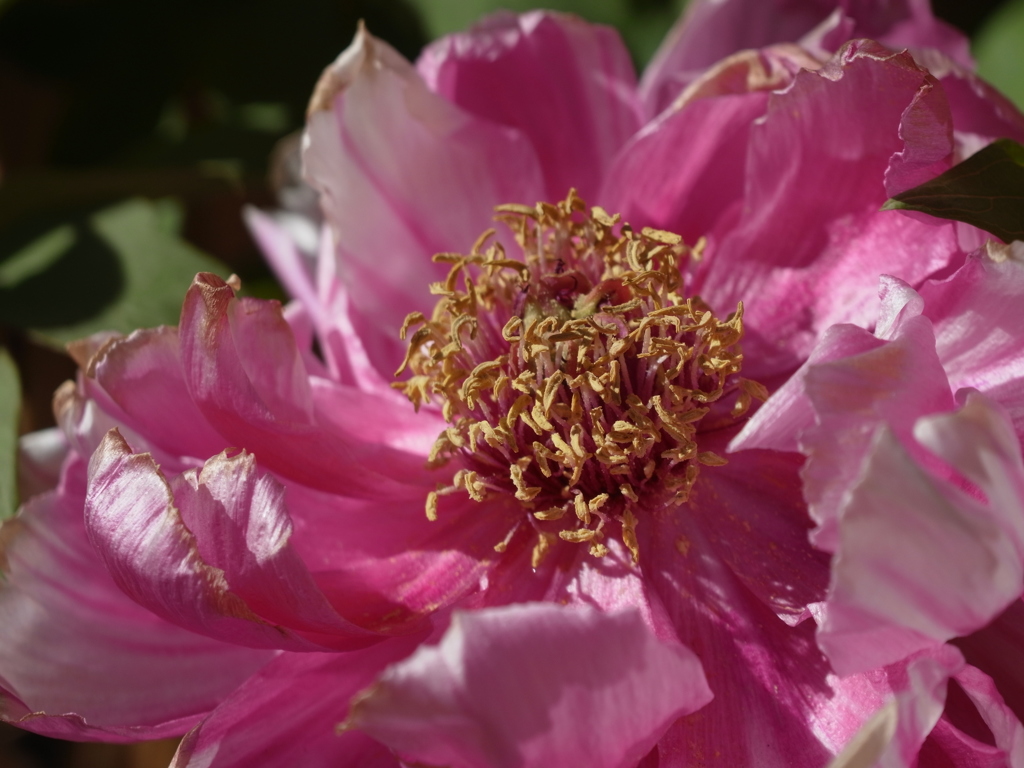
point(575, 377)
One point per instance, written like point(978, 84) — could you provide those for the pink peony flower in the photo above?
point(571, 535)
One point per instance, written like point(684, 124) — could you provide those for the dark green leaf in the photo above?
point(10, 408)
point(119, 269)
point(986, 190)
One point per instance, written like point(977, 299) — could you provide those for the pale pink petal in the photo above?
point(307, 315)
point(924, 34)
point(403, 174)
point(354, 347)
point(894, 383)
point(894, 736)
point(288, 262)
point(919, 562)
point(244, 372)
point(978, 328)
point(788, 414)
point(179, 551)
point(534, 685)
point(566, 84)
point(391, 421)
point(307, 694)
point(302, 328)
point(899, 303)
point(79, 659)
point(980, 445)
point(40, 456)
point(781, 422)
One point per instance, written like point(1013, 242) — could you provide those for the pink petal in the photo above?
point(765, 674)
point(82, 660)
point(138, 381)
point(755, 521)
point(977, 107)
point(926, 128)
point(994, 650)
point(566, 84)
point(687, 167)
point(403, 175)
point(244, 372)
point(802, 260)
point(1004, 726)
point(533, 685)
point(713, 29)
point(216, 566)
point(386, 566)
point(305, 694)
point(919, 562)
point(710, 31)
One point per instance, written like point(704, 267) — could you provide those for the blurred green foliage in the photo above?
point(999, 49)
point(10, 408)
point(121, 268)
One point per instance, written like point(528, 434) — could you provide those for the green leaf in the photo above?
point(986, 190)
point(998, 46)
point(10, 409)
point(119, 269)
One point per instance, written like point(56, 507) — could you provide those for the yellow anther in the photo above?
point(582, 509)
point(577, 535)
point(555, 513)
point(629, 534)
point(710, 459)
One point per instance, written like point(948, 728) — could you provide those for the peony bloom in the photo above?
point(570, 533)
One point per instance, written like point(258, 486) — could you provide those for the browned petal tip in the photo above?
point(84, 351)
point(338, 75)
point(209, 280)
point(63, 400)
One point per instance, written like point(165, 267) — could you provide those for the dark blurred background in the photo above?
point(132, 133)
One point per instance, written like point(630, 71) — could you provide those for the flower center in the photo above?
point(575, 379)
